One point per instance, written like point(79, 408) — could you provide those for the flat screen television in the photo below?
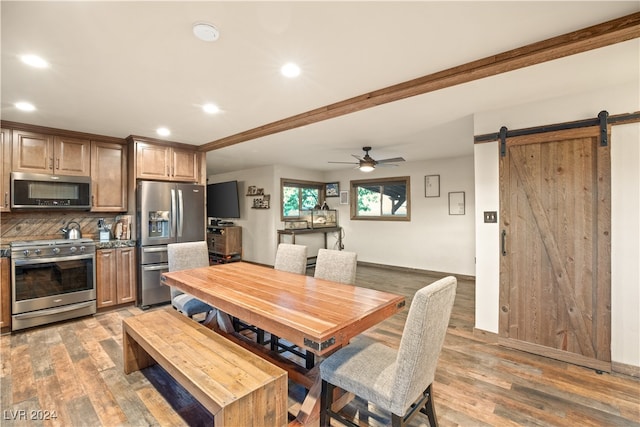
point(223, 200)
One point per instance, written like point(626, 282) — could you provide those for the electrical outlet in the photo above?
point(490, 216)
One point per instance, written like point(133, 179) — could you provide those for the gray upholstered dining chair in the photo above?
point(183, 256)
point(291, 258)
point(398, 381)
point(337, 266)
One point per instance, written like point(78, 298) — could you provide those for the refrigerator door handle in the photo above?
point(180, 213)
point(174, 212)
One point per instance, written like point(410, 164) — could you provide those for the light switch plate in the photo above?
point(490, 216)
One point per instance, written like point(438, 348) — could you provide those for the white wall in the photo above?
point(625, 243)
point(259, 236)
point(625, 211)
point(487, 236)
point(432, 240)
point(258, 231)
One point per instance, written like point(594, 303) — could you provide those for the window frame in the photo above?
point(320, 186)
point(353, 202)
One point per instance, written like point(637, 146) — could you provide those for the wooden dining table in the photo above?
point(314, 314)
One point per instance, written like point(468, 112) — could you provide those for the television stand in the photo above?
point(224, 243)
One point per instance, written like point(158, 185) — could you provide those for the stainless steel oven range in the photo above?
point(52, 280)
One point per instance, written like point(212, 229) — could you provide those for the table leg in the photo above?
point(309, 414)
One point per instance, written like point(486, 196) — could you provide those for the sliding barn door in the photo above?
point(555, 270)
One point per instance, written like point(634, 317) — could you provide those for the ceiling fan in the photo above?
point(367, 163)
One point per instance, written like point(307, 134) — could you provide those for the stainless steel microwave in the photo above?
point(42, 191)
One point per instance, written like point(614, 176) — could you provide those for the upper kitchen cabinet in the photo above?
point(185, 165)
point(108, 177)
point(43, 153)
point(5, 168)
point(166, 162)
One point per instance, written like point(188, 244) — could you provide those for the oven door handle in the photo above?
point(50, 311)
point(31, 261)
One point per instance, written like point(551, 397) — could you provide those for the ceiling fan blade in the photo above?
point(359, 158)
point(347, 163)
point(392, 160)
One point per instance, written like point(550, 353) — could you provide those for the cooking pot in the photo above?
point(71, 233)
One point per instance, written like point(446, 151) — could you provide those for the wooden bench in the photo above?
point(237, 386)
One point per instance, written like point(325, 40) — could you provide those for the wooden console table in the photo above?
point(293, 233)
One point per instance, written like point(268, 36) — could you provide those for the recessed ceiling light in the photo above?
point(163, 131)
point(34, 61)
point(211, 108)
point(206, 32)
point(25, 106)
point(290, 70)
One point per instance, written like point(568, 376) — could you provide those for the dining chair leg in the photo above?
point(309, 359)
point(325, 403)
point(260, 336)
point(431, 409)
point(274, 343)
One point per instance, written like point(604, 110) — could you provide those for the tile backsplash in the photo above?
point(47, 225)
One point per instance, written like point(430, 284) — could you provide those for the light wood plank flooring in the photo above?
point(73, 370)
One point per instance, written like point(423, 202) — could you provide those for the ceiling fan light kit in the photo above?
point(367, 165)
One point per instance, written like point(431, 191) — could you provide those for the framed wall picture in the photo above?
point(456, 203)
point(332, 189)
point(344, 197)
point(432, 186)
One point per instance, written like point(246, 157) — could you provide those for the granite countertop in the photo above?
point(115, 244)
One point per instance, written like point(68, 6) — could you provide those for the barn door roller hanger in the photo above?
point(602, 120)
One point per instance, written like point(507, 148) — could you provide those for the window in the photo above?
point(386, 199)
point(299, 195)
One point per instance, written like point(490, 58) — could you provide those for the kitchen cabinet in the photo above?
point(115, 276)
point(167, 163)
point(5, 294)
point(43, 153)
point(108, 177)
point(5, 169)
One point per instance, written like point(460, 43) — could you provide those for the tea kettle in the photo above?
point(71, 233)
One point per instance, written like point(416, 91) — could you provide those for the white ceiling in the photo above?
point(126, 68)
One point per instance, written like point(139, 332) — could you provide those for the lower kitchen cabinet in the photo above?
point(115, 276)
point(5, 294)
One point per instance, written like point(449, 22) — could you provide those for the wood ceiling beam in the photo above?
point(594, 37)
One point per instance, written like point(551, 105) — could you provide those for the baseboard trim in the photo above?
point(488, 337)
point(439, 274)
point(623, 368)
point(553, 353)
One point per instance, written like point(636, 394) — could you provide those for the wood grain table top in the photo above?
point(315, 314)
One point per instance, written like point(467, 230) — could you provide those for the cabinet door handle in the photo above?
point(51, 163)
point(6, 199)
point(58, 163)
point(93, 203)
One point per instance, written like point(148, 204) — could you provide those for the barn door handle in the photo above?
point(504, 242)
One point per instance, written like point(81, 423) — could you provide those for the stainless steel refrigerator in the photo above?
point(166, 213)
